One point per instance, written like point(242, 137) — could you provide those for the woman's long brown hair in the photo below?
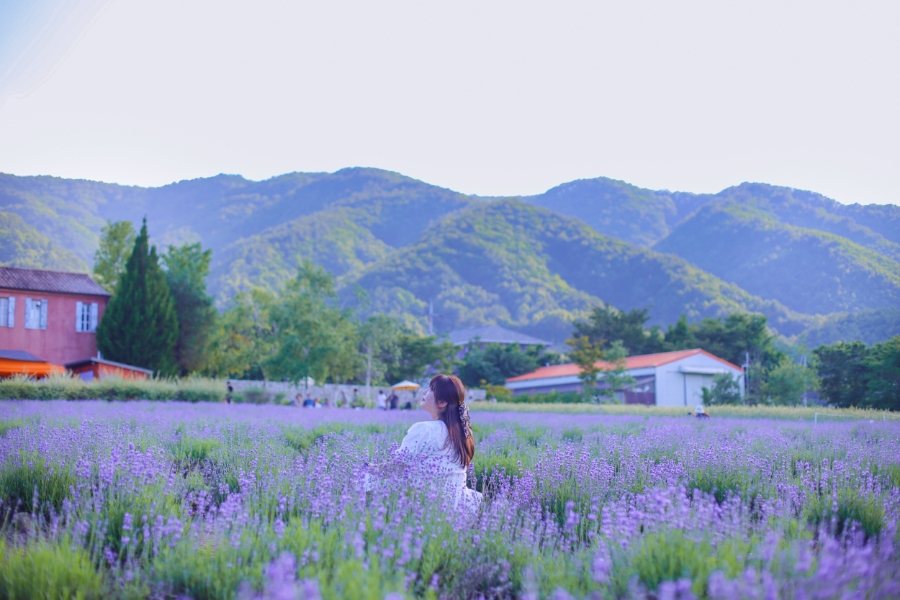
point(450, 390)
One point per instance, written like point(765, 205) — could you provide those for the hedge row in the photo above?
point(548, 398)
point(73, 388)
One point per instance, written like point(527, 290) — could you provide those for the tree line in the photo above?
point(160, 317)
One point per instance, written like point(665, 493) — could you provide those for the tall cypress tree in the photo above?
point(140, 325)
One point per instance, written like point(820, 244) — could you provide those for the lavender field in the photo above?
point(211, 501)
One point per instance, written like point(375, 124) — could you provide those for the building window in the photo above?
point(8, 312)
point(86, 316)
point(35, 313)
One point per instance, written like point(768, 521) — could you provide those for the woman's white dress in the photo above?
point(423, 446)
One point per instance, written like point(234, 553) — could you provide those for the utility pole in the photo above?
point(803, 364)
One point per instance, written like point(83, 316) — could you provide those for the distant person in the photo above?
point(381, 400)
point(394, 400)
point(309, 402)
point(229, 391)
point(700, 412)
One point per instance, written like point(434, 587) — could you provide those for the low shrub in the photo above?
point(548, 398)
point(48, 570)
point(851, 508)
point(302, 440)
point(28, 474)
point(67, 387)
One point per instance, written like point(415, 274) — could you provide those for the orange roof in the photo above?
point(632, 362)
point(35, 368)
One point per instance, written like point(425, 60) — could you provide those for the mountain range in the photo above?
point(820, 270)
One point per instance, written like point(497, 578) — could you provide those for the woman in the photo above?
point(444, 445)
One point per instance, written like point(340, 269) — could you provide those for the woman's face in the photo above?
point(430, 404)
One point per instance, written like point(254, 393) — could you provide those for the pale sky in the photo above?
point(486, 97)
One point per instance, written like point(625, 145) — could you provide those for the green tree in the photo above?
point(842, 370)
point(586, 354)
point(420, 355)
point(243, 337)
point(616, 375)
point(116, 244)
point(787, 382)
point(313, 337)
point(187, 270)
point(608, 325)
point(379, 344)
point(734, 338)
point(140, 326)
point(725, 390)
point(495, 363)
point(882, 364)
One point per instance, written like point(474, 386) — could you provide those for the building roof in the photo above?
point(39, 280)
point(103, 361)
point(19, 355)
point(632, 362)
point(492, 334)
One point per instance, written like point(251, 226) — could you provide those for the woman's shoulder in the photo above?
point(427, 426)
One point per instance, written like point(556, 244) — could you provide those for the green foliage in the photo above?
point(243, 337)
point(787, 382)
point(27, 482)
point(302, 440)
point(586, 354)
point(809, 270)
point(187, 268)
point(883, 375)
point(73, 388)
point(495, 363)
point(869, 326)
point(847, 508)
point(615, 376)
point(193, 450)
point(313, 338)
point(48, 570)
point(418, 354)
point(732, 338)
point(500, 262)
point(548, 398)
point(725, 390)
point(498, 392)
point(140, 325)
point(23, 246)
point(670, 556)
point(512, 264)
point(852, 374)
point(8, 425)
point(113, 252)
point(606, 325)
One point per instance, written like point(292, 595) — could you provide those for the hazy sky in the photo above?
point(484, 97)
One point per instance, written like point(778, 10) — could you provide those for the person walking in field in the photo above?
point(443, 446)
point(394, 400)
point(381, 400)
point(229, 390)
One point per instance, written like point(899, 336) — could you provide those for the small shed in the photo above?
point(100, 368)
point(19, 362)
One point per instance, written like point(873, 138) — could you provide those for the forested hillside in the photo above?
point(788, 253)
point(808, 270)
point(535, 270)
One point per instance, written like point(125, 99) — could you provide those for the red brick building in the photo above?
point(50, 314)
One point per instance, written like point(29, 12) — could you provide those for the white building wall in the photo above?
point(674, 387)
